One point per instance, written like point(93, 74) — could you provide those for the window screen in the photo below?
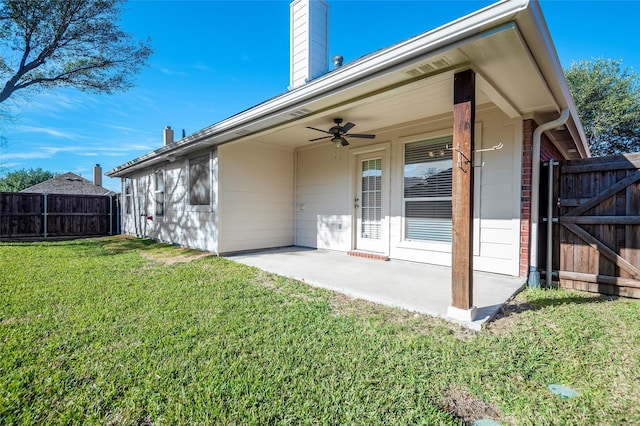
point(427, 190)
point(127, 196)
point(159, 192)
point(199, 181)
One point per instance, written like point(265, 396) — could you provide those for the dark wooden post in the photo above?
point(464, 107)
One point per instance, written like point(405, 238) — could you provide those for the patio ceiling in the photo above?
point(424, 89)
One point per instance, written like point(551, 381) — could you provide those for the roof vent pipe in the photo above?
point(337, 61)
point(167, 136)
point(534, 274)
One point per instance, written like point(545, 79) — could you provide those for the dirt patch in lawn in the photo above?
point(509, 316)
point(467, 408)
point(174, 256)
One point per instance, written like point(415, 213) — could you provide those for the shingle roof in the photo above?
point(68, 183)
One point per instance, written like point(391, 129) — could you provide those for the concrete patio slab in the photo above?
point(417, 287)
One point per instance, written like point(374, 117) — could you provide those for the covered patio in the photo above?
point(418, 287)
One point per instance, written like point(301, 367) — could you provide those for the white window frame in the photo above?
point(421, 244)
point(159, 172)
point(202, 207)
point(127, 183)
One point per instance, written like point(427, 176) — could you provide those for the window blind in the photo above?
point(427, 190)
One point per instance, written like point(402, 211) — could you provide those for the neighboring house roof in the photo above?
point(68, 183)
point(507, 44)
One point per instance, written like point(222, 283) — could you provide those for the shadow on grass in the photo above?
point(122, 244)
point(535, 300)
point(113, 245)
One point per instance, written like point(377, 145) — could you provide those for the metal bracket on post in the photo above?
point(464, 161)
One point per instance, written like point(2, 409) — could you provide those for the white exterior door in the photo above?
point(370, 203)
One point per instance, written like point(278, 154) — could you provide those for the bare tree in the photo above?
point(66, 43)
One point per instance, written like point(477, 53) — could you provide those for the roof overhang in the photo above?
point(507, 44)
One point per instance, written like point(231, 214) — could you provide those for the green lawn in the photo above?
point(126, 331)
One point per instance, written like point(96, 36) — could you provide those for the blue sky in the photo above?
point(216, 58)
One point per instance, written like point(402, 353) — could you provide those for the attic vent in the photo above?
point(243, 132)
point(428, 68)
point(300, 112)
point(441, 63)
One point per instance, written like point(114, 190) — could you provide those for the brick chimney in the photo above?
point(97, 175)
point(167, 135)
point(309, 42)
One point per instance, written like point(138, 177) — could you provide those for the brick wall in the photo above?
point(549, 150)
point(528, 126)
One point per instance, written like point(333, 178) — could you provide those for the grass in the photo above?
point(126, 331)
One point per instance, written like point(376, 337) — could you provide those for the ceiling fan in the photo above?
point(337, 133)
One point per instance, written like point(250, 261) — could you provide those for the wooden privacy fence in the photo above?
point(41, 216)
point(596, 242)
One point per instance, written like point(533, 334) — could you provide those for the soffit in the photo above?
point(424, 89)
point(419, 88)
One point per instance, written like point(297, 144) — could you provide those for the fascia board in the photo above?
point(444, 38)
point(538, 39)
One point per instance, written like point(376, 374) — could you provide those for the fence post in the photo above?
point(550, 197)
point(45, 214)
point(118, 214)
point(110, 215)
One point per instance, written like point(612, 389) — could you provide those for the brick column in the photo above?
point(528, 126)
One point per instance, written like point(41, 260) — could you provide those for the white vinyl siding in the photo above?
point(324, 198)
point(427, 190)
point(182, 224)
point(256, 197)
point(309, 47)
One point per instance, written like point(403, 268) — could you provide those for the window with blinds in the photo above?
point(199, 181)
point(159, 192)
point(427, 190)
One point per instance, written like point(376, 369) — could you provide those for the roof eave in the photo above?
point(280, 108)
point(536, 33)
point(291, 105)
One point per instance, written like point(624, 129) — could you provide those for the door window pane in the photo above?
point(371, 199)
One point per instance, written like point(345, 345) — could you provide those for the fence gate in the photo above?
point(597, 236)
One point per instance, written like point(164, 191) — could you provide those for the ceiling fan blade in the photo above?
point(320, 130)
point(348, 126)
point(320, 138)
point(344, 141)
point(363, 136)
